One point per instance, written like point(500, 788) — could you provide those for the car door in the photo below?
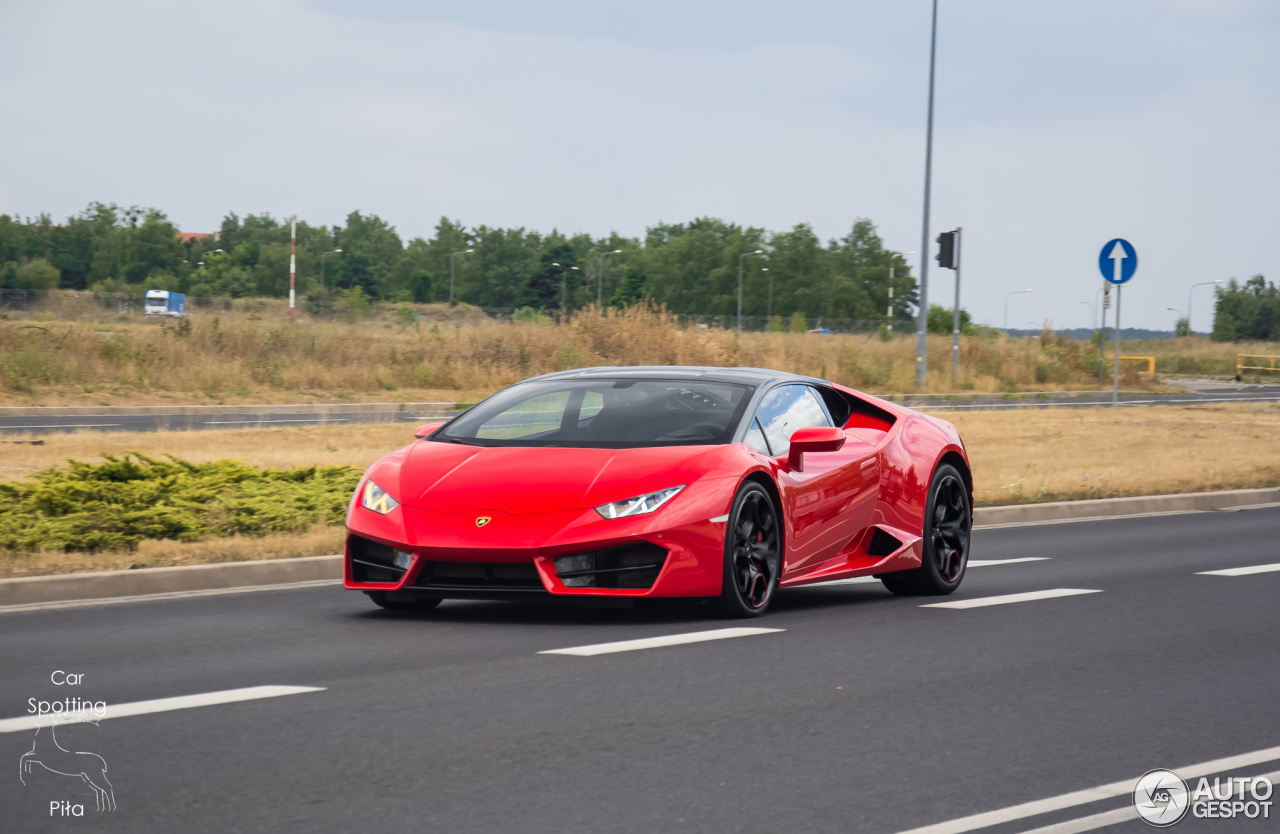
point(830, 502)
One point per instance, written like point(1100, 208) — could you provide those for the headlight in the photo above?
point(640, 505)
point(375, 498)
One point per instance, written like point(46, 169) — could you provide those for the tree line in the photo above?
point(689, 267)
point(1247, 311)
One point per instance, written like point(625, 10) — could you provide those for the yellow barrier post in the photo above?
point(1273, 364)
point(1151, 365)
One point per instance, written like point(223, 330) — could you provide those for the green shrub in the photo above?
point(125, 500)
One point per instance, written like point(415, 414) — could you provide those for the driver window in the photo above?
point(786, 409)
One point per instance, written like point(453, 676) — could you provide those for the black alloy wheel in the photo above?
point(948, 522)
point(753, 554)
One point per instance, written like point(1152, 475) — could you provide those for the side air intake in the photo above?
point(882, 544)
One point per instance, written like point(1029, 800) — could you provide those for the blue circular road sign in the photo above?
point(1118, 261)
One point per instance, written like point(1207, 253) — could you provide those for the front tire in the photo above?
point(752, 554)
point(948, 521)
point(383, 599)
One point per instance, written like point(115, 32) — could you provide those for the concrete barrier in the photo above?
point(127, 583)
point(1111, 507)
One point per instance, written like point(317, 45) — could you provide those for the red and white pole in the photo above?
point(293, 262)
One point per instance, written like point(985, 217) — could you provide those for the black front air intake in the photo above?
point(882, 544)
point(372, 561)
point(478, 576)
point(631, 566)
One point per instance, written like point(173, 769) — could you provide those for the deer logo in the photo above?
point(53, 757)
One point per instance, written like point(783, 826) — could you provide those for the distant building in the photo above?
point(198, 237)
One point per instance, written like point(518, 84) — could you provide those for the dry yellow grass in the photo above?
point(1044, 455)
point(1018, 457)
point(233, 357)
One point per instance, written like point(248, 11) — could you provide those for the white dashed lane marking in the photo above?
point(1005, 599)
point(659, 642)
point(1241, 571)
point(207, 699)
point(1084, 797)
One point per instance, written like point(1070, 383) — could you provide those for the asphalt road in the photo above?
point(111, 421)
point(867, 712)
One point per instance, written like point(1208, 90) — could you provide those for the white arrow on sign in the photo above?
point(1117, 257)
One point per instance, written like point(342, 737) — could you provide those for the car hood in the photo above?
point(454, 478)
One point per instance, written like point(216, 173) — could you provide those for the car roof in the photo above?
point(747, 376)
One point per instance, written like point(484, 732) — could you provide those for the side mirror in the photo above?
point(423, 431)
point(813, 439)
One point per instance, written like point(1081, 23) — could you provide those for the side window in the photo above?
point(755, 438)
point(786, 409)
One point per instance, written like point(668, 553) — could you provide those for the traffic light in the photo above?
point(947, 250)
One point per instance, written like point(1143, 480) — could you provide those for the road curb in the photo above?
point(143, 581)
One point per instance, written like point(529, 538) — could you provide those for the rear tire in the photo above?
point(383, 599)
point(948, 520)
point(752, 554)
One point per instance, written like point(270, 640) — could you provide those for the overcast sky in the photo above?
point(1058, 126)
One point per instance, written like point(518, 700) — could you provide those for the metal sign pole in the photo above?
point(1115, 379)
point(955, 322)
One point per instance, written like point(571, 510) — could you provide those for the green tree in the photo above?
point(38, 274)
point(357, 273)
point(797, 323)
point(352, 305)
point(1247, 311)
point(1182, 328)
point(942, 321)
point(630, 290)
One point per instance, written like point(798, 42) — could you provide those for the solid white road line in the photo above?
point(980, 526)
point(65, 426)
point(1071, 800)
point(973, 563)
point(209, 592)
point(982, 602)
point(208, 699)
point(658, 642)
point(1241, 571)
point(256, 422)
point(989, 563)
point(1125, 814)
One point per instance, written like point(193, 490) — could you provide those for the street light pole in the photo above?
point(600, 279)
point(1103, 302)
point(740, 257)
point(1006, 305)
point(922, 319)
point(453, 263)
point(1093, 319)
point(322, 254)
point(1193, 286)
point(564, 288)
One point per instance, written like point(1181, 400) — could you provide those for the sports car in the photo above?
point(638, 482)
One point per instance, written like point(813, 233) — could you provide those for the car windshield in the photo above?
point(603, 413)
